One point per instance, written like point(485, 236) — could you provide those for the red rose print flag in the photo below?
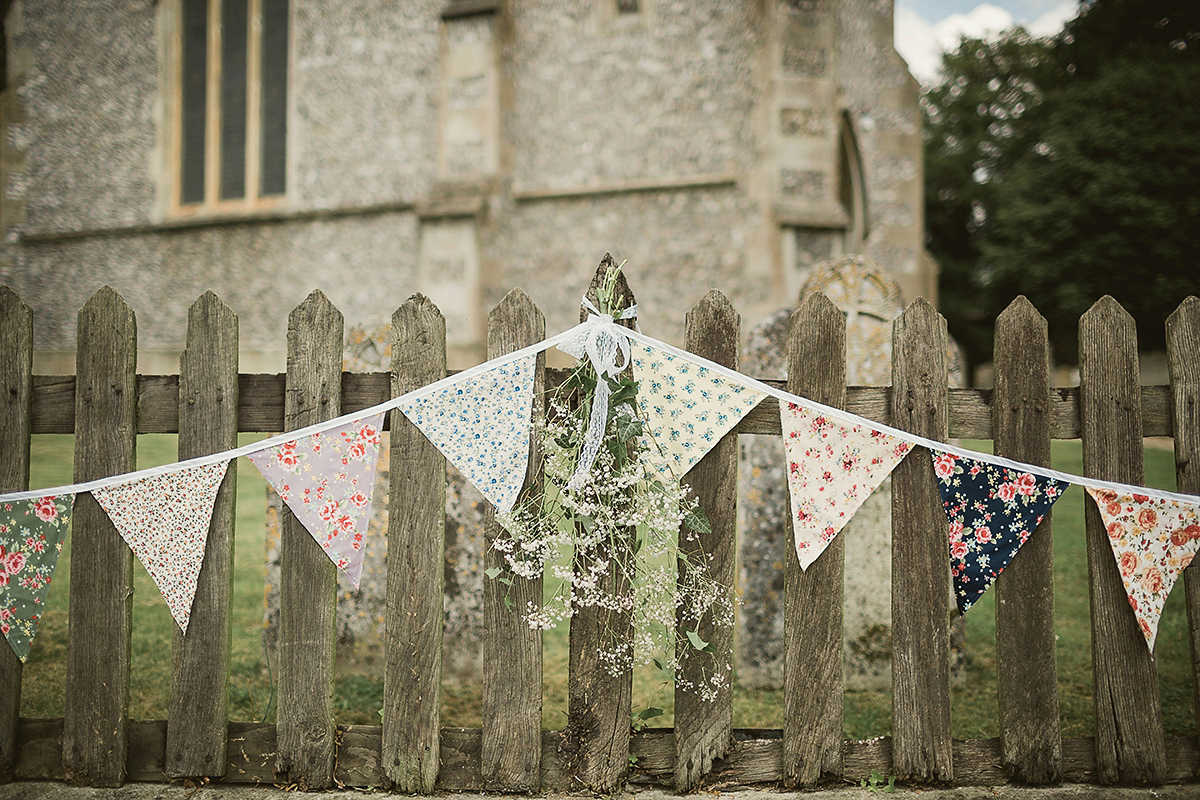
point(832, 468)
point(992, 511)
point(327, 479)
point(164, 519)
point(1153, 541)
point(31, 538)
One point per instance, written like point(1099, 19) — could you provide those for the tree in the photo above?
point(1088, 190)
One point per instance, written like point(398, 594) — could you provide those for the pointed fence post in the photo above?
point(598, 703)
point(1129, 732)
point(16, 394)
point(704, 728)
point(812, 603)
point(1029, 732)
point(921, 748)
point(308, 579)
point(416, 561)
point(1183, 343)
point(95, 735)
point(512, 651)
point(208, 423)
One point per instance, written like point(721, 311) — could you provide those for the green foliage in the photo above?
point(1062, 169)
point(878, 782)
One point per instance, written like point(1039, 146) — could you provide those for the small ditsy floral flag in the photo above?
point(31, 539)
point(832, 468)
point(165, 520)
point(1153, 541)
point(992, 511)
point(327, 479)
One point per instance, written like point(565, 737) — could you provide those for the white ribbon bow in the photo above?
point(606, 346)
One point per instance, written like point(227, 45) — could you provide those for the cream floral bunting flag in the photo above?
point(832, 468)
point(31, 539)
point(481, 425)
point(327, 480)
point(1153, 541)
point(688, 407)
point(164, 519)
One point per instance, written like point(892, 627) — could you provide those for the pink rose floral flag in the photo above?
point(327, 479)
point(832, 467)
point(1153, 541)
point(481, 425)
point(992, 511)
point(165, 519)
point(688, 407)
point(31, 539)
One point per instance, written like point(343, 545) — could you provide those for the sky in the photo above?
point(925, 28)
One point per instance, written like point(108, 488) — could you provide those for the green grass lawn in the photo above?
point(358, 695)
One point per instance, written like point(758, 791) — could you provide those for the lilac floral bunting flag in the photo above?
point(687, 407)
point(1153, 541)
point(165, 519)
point(832, 468)
point(481, 425)
point(31, 539)
point(992, 511)
point(327, 479)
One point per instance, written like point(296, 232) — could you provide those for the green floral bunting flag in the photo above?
point(31, 538)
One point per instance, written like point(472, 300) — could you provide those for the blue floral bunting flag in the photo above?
point(688, 407)
point(992, 512)
point(481, 424)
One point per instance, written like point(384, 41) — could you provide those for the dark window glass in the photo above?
point(274, 97)
point(194, 98)
point(235, 28)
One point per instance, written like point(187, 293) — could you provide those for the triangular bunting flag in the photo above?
point(31, 538)
point(481, 425)
point(1153, 541)
point(832, 468)
point(164, 519)
point(327, 480)
point(688, 407)
point(992, 511)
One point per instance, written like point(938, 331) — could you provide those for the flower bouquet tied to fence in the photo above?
point(607, 527)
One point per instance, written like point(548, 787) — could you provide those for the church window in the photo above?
point(231, 104)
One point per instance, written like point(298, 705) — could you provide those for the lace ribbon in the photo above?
point(606, 345)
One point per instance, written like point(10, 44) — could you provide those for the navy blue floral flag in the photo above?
point(992, 512)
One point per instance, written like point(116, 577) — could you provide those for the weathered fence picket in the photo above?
point(512, 657)
point(921, 747)
point(308, 579)
point(812, 604)
point(98, 649)
point(1129, 735)
point(704, 727)
point(198, 711)
point(1028, 689)
point(208, 403)
point(16, 393)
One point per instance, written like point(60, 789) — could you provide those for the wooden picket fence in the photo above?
point(106, 404)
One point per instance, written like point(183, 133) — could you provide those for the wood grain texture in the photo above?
point(596, 738)
point(16, 397)
point(308, 579)
point(1129, 732)
point(1183, 344)
point(101, 601)
point(1028, 689)
point(512, 651)
point(416, 561)
point(703, 727)
point(812, 602)
point(208, 404)
point(920, 559)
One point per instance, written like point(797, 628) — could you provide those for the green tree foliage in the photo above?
point(1067, 169)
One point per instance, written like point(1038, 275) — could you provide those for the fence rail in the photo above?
point(106, 404)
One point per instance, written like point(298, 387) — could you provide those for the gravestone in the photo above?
point(871, 300)
point(360, 627)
